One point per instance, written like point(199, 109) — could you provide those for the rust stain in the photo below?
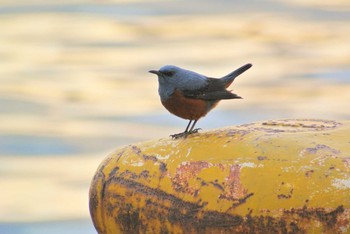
point(343, 221)
point(162, 166)
point(150, 158)
point(184, 173)
point(309, 173)
point(298, 125)
point(284, 196)
point(191, 217)
point(129, 174)
point(322, 149)
point(113, 172)
point(238, 132)
point(217, 185)
point(145, 157)
point(233, 188)
point(346, 161)
point(331, 219)
point(320, 152)
point(96, 200)
point(136, 149)
point(144, 174)
point(221, 166)
point(121, 153)
point(261, 158)
point(285, 191)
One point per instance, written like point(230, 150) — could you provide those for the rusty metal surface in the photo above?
point(286, 176)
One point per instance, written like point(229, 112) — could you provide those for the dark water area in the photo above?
point(33, 145)
point(333, 76)
point(83, 226)
point(141, 9)
point(19, 106)
point(48, 146)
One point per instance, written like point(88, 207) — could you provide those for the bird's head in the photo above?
point(179, 77)
point(168, 73)
point(171, 77)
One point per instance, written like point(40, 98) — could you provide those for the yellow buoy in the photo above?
point(286, 176)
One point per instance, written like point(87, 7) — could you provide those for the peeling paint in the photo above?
point(137, 164)
point(261, 158)
point(233, 188)
point(300, 125)
point(341, 184)
point(322, 151)
point(248, 164)
point(309, 173)
point(347, 162)
point(188, 152)
point(184, 173)
point(162, 157)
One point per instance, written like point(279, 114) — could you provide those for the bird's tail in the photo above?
point(228, 79)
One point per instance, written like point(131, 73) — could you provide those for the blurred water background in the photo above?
point(74, 85)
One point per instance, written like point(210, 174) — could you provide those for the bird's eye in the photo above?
point(168, 73)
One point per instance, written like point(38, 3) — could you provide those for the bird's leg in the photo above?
point(187, 131)
point(194, 130)
point(188, 125)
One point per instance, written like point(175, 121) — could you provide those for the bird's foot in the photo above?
point(185, 134)
point(195, 130)
point(179, 135)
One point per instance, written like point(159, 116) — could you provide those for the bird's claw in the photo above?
point(195, 130)
point(185, 134)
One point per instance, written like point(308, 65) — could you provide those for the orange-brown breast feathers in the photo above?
point(187, 108)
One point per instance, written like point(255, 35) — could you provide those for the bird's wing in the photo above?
point(214, 90)
point(211, 96)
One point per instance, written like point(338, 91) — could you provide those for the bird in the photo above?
point(190, 95)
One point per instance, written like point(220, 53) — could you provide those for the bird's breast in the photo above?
point(187, 108)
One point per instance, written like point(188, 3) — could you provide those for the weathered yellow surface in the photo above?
point(268, 177)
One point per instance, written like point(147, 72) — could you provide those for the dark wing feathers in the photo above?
point(215, 95)
point(214, 90)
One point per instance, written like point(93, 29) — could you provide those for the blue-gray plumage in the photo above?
point(190, 95)
point(171, 77)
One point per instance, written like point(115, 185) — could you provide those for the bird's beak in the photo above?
point(155, 72)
